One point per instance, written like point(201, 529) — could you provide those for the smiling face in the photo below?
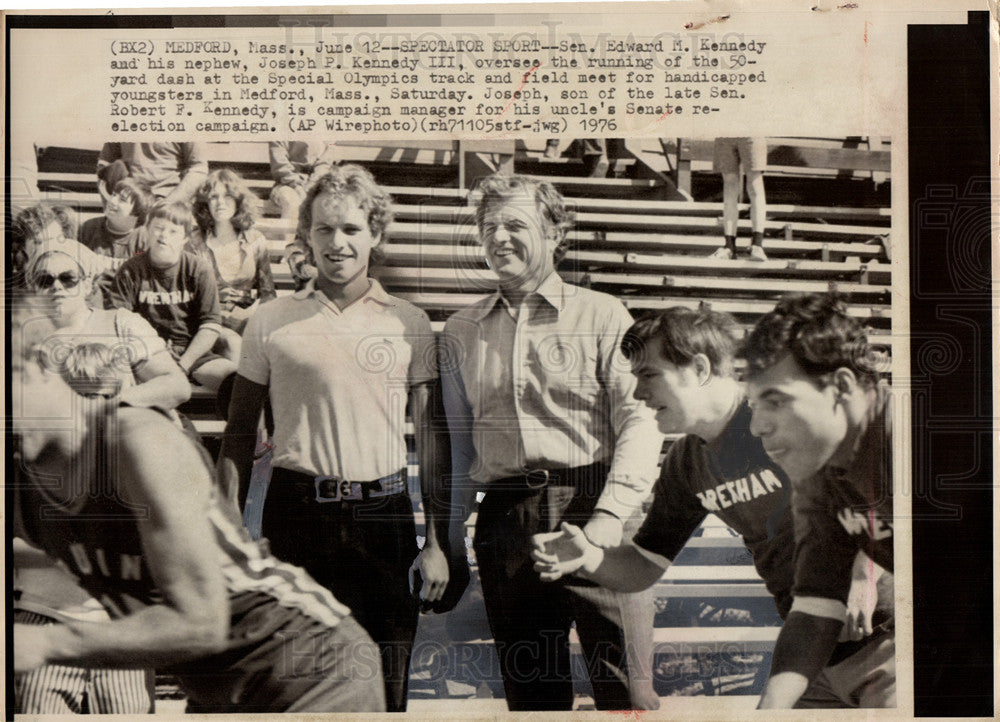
point(341, 239)
point(166, 242)
point(802, 424)
point(119, 207)
point(518, 242)
point(61, 282)
point(674, 392)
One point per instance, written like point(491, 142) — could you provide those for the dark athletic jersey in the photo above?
point(841, 510)
point(176, 301)
point(734, 479)
point(277, 612)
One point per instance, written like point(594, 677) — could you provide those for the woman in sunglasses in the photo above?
point(63, 273)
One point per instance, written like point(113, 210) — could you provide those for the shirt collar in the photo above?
point(375, 293)
point(551, 290)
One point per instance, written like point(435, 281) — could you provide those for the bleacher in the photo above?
point(635, 237)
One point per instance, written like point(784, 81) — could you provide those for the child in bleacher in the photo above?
point(120, 233)
point(176, 292)
point(237, 252)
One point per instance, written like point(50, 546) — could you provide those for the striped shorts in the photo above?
point(55, 689)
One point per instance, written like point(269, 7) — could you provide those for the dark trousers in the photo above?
point(530, 619)
point(360, 551)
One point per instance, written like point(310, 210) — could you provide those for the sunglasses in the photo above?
point(67, 279)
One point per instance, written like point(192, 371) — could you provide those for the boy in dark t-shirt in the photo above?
point(176, 292)
point(822, 415)
point(683, 362)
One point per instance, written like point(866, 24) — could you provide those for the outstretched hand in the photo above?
point(560, 553)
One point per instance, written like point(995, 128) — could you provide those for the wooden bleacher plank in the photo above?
point(870, 216)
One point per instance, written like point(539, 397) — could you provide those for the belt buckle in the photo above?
point(537, 479)
point(342, 487)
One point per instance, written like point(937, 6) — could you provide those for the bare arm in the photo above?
point(201, 344)
point(194, 171)
point(160, 382)
point(435, 486)
point(236, 456)
point(180, 551)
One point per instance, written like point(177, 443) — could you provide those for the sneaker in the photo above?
point(757, 253)
point(723, 254)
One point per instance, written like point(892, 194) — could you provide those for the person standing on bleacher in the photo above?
point(171, 171)
point(340, 361)
point(542, 420)
point(730, 156)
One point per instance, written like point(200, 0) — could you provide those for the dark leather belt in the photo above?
point(591, 477)
point(333, 489)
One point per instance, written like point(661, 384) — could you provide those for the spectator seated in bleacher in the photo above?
point(294, 166)
point(120, 233)
point(171, 171)
point(32, 227)
point(176, 292)
point(235, 250)
point(62, 272)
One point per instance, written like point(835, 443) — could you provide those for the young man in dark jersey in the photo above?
point(823, 416)
point(128, 502)
point(683, 363)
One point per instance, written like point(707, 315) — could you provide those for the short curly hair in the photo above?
point(679, 334)
point(818, 333)
point(350, 181)
point(501, 188)
point(29, 224)
point(235, 186)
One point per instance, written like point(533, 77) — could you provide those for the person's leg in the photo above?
point(867, 679)
point(377, 549)
point(229, 345)
point(726, 161)
point(615, 629)
point(593, 152)
point(288, 200)
point(120, 691)
point(52, 689)
point(212, 373)
point(758, 210)
point(354, 683)
point(529, 619)
point(753, 158)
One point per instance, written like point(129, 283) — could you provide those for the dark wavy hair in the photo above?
point(679, 334)
point(500, 188)
point(140, 195)
point(351, 181)
point(235, 186)
point(817, 331)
